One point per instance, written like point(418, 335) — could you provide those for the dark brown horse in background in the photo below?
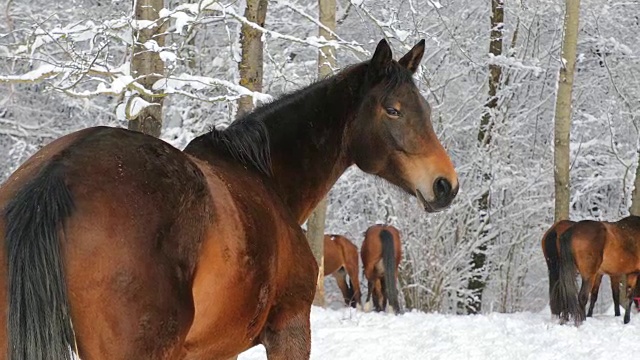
point(551, 249)
point(340, 260)
point(120, 246)
point(594, 248)
point(381, 254)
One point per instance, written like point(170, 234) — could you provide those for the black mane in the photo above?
point(247, 139)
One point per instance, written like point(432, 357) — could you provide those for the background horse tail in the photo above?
point(565, 292)
point(552, 258)
point(389, 263)
point(39, 323)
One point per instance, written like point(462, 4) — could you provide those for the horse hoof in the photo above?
point(367, 306)
point(390, 310)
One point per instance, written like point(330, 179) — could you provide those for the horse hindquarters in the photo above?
point(127, 247)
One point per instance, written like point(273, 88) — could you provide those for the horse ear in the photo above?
point(382, 56)
point(412, 59)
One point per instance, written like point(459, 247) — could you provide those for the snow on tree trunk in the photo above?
point(563, 109)
point(146, 64)
point(251, 65)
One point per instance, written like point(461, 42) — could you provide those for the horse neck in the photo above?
point(309, 141)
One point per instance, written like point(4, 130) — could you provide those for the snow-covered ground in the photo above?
point(353, 335)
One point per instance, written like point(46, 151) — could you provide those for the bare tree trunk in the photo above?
point(192, 62)
point(315, 225)
point(147, 66)
point(563, 109)
point(477, 281)
point(634, 209)
point(250, 66)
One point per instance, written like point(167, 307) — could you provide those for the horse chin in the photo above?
point(425, 204)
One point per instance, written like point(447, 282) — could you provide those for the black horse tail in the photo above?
point(552, 258)
point(351, 293)
point(389, 263)
point(348, 296)
point(39, 323)
point(565, 292)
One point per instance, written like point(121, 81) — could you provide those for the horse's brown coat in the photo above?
point(372, 261)
point(553, 234)
point(341, 259)
point(594, 248)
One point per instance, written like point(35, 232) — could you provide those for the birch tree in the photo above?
point(477, 282)
point(563, 109)
point(316, 223)
point(251, 65)
point(146, 65)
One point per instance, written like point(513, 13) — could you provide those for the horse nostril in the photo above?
point(442, 189)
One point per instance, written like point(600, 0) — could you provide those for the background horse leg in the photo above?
point(384, 291)
point(287, 335)
point(352, 271)
point(615, 291)
point(631, 290)
point(583, 295)
point(367, 304)
point(341, 279)
point(595, 288)
point(378, 300)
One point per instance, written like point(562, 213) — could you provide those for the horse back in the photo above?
point(622, 251)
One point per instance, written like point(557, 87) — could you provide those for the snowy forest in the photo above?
point(66, 65)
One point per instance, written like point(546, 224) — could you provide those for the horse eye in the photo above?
point(392, 112)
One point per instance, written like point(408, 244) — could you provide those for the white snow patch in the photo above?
point(350, 335)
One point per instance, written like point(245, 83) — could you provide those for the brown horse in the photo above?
point(340, 260)
point(594, 248)
point(119, 246)
point(551, 249)
point(381, 254)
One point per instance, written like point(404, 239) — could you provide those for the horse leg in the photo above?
point(288, 335)
point(583, 295)
point(352, 271)
point(367, 304)
point(385, 301)
point(595, 288)
point(378, 301)
point(615, 291)
point(341, 279)
point(631, 290)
